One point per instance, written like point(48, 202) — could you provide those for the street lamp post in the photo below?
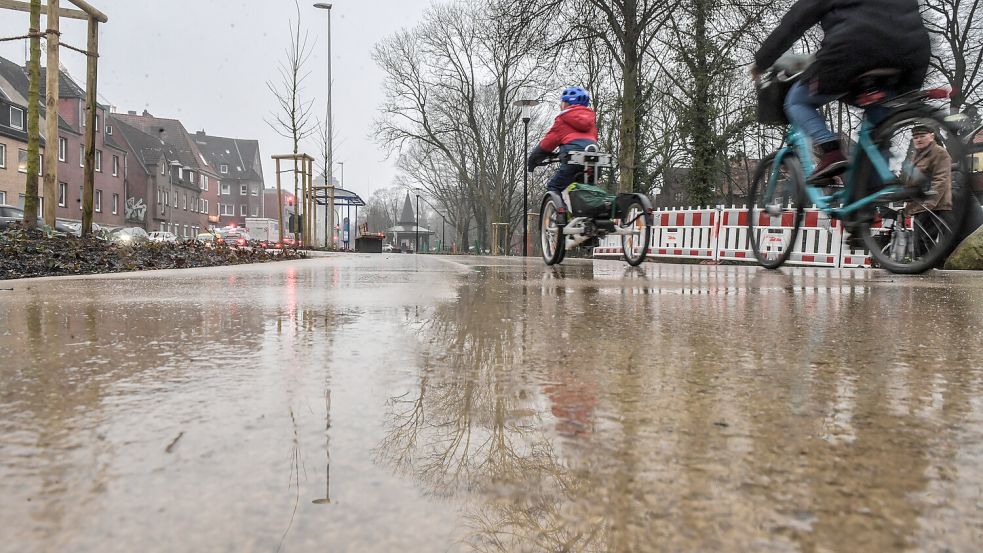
point(417, 250)
point(525, 106)
point(329, 194)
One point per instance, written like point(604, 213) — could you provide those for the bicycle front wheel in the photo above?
point(635, 243)
point(551, 222)
point(914, 228)
point(775, 210)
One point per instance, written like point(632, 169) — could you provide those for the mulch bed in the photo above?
point(31, 253)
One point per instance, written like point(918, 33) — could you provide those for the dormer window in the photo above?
point(16, 118)
point(224, 169)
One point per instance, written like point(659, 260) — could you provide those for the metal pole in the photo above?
point(330, 130)
point(417, 224)
point(443, 234)
point(525, 186)
point(329, 171)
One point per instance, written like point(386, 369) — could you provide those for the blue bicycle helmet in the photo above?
point(575, 95)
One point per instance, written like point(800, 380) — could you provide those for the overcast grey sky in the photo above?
point(206, 62)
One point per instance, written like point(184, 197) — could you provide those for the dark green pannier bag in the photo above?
point(585, 200)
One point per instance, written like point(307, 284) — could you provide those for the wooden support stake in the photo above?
point(279, 200)
point(53, 143)
point(91, 107)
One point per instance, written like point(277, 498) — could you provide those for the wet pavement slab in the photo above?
point(415, 403)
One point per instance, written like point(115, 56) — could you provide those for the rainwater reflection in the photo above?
point(592, 408)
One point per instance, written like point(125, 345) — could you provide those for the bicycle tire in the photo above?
point(552, 240)
point(766, 255)
point(644, 235)
point(888, 247)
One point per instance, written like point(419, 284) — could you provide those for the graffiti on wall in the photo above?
point(136, 210)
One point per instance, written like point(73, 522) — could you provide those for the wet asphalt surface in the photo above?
point(400, 403)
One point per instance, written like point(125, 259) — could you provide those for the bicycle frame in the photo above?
point(799, 145)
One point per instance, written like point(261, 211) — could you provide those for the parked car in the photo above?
point(236, 237)
point(209, 239)
point(130, 235)
point(99, 231)
point(10, 215)
point(162, 236)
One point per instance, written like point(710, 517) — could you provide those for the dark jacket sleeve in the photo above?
point(800, 17)
point(536, 156)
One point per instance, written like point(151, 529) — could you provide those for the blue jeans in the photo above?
point(802, 109)
point(567, 174)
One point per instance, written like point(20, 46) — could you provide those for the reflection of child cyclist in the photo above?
point(575, 128)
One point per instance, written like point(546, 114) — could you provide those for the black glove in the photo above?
point(536, 156)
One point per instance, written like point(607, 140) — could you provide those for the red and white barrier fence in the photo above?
point(721, 234)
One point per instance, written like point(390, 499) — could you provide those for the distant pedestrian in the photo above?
point(930, 163)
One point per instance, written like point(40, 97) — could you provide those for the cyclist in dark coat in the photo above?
point(860, 35)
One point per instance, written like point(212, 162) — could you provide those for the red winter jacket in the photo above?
point(573, 123)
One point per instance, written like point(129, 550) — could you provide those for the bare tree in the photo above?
point(293, 119)
point(956, 27)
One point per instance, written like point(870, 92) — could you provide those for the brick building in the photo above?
point(239, 193)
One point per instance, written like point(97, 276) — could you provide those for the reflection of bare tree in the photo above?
point(469, 425)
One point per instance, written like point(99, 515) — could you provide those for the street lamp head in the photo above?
point(525, 106)
point(322, 6)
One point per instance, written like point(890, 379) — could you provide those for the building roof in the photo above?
point(175, 136)
point(15, 83)
point(146, 149)
point(238, 154)
point(406, 217)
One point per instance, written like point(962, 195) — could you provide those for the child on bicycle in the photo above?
point(574, 129)
point(859, 37)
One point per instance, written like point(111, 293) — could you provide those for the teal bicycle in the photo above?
point(884, 201)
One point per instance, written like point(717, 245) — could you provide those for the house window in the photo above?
point(224, 169)
point(184, 202)
point(204, 183)
point(16, 118)
point(255, 211)
point(242, 210)
point(204, 207)
point(98, 201)
point(3, 198)
point(228, 209)
point(80, 198)
point(163, 167)
point(115, 166)
point(22, 162)
point(82, 113)
point(243, 190)
point(109, 129)
point(176, 198)
point(226, 189)
point(115, 204)
point(81, 155)
point(62, 149)
point(62, 194)
point(99, 161)
point(3, 156)
point(97, 122)
point(21, 198)
point(255, 190)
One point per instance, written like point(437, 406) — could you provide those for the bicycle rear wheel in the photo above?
point(775, 210)
point(914, 230)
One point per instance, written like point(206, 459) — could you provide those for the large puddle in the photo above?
point(394, 403)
